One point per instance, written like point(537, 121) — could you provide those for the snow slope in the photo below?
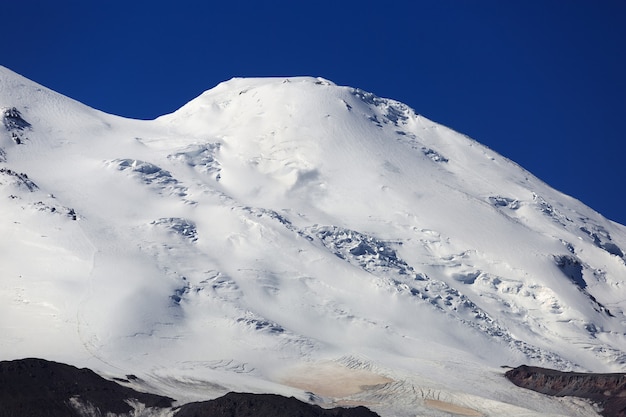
point(289, 235)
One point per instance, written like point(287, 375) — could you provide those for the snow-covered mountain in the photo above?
point(292, 236)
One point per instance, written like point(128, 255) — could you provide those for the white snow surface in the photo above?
point(286, 234)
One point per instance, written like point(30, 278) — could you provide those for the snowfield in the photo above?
point(291, 236)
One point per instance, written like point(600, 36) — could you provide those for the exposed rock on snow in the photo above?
point(38, 388)
point(12, 119)
point(265, 405)
point(18, 179)
point(434, 155)
point(606, 390)
point(15, 124)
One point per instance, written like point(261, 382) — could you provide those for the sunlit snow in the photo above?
point(292, 236)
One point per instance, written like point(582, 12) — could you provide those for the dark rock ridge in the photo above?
point(40, 388)
point(13, 120)
point(14, 123)
point(236, 404)
point(606, 390)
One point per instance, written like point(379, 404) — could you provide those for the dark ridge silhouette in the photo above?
point(236, 404)
point(39, 388)
point(606, 390)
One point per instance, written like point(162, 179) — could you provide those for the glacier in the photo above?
point(292, 236)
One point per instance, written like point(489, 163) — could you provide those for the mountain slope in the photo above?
point(273, 234)
point(35, 387)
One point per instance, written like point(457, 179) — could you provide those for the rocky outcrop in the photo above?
point(13, 120)
point(40, 388)
point(14, 123)
point(236, 404)
point(608, 391)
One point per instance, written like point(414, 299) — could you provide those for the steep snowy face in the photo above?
point(273, 233)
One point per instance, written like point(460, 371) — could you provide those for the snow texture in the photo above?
point(280, 223)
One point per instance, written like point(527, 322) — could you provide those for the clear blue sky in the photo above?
point(542, 82)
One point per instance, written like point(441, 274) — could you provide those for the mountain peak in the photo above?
point(276, 234)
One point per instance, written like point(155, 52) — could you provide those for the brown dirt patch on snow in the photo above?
point(330, 379)
point(451, 408)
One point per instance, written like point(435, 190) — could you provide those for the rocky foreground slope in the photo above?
point(606, 390)
point(39, 388)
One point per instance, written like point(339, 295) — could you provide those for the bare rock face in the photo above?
point(236, 404)
point(606, 390)
point(40, 388)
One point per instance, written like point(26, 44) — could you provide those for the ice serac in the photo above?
point(292, 236)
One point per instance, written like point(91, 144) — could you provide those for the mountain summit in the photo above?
point(292, 236)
